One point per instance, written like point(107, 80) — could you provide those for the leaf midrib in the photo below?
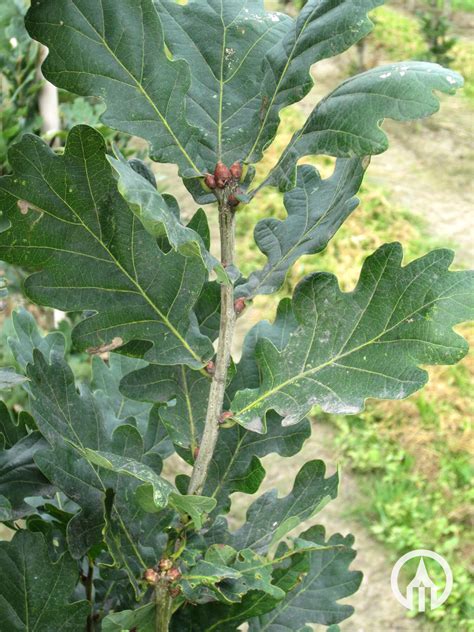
point(136, 82)
point(302, 238)
point(280, 81)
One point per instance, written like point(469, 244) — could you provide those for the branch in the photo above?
point(163, 603)
point(226, 334)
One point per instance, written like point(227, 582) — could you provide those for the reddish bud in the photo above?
point(227, 414)
point(236, 171)
point(233, 201)
point(196, 453)
point(175, 591)
point(211, 368)
point(222, 175)
point(165, 564)
point(239, 306)
point(210, 181)
point(173, 574)
point(151, 576)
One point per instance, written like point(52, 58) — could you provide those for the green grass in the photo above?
point(463, 5)
point(397, 36)
point(413, 463)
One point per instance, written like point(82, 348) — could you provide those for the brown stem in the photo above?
point(226, 334)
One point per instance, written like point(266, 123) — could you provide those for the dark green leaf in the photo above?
point(34, 592)
point(315, 598)
point(366, 343)
point(269, 518)
point(185, 391)
point(20, 476)
point(13, 430)
point(106, 378)
point(316, 209)
point(68, 219)
point(347, 122)
point(199, 223)
point(208, 309)
point(235, 465)
point(6, 512)
point(115, 51)
point(223, 42)
point(324, 28)
point(74, 422)
point(27, 338)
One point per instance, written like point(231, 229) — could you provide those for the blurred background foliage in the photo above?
point(412, 460)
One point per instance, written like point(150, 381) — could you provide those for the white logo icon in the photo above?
point(422, 582)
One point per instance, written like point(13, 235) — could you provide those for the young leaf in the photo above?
point(223, 42)
point(195, 506)
point(269, 518)
point(347, 122)
point(158, 218)
point(228, 575)
point(68, 219)
point(34, 592)
point(249, 603)
point(27, 338)
point(10, 378)
point(316, 209)
point(314, 599)
point(324, 28)
point(143, 619)
point(116, 51)
point(366, 343)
